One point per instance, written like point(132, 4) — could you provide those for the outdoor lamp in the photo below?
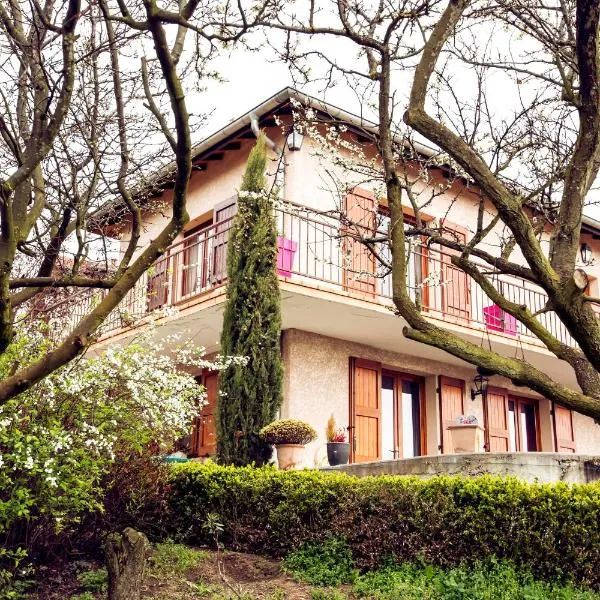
point(481, 386)
point(586, 254)
point(294, 140)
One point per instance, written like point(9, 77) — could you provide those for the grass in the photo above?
point(170, 559)
point(330, 564)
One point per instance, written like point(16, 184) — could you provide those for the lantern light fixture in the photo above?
point(481, 386)
point(294, 139)
point(586, 253)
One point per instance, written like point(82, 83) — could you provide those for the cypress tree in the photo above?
point(250, 395)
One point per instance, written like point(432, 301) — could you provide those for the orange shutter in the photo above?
point(365, 410)
point(204, 438)
point(496, 409)
point(452, 393)
point(158, 289)
point(359, 262)
point(224, 221)
point(456, 293)
point(563, 429)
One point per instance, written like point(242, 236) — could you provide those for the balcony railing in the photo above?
point(317, 250)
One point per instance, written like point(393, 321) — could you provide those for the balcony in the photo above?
point(318, 251)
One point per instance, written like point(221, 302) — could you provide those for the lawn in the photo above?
point(178, 572)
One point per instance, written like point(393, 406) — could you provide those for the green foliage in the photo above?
point(326, 563)
point(550, 529)
point(250, 396)
point(491, 580)
point(175, 559)
point(288, 431)
point(326, 594)
point(65, 441)
point(94, 581)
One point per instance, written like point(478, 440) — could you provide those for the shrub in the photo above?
point(65, 441)
point(288, 431)
point(550, 529)
point(329, 563)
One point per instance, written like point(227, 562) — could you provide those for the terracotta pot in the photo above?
point(289, 456)
point(338, 453)
point(466, 438)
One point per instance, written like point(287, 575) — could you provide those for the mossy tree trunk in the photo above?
point(126, 562)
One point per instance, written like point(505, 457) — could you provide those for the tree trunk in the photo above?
point(125, 561)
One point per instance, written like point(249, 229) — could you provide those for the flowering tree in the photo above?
point(59, 439)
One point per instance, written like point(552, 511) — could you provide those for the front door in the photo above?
point(204, 436)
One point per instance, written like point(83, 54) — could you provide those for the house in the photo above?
point(342, 346)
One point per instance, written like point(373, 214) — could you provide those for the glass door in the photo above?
point(401, 431)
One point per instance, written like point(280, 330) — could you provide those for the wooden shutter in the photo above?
point(359, 261)
point(564, 431)
point(456, 293)
point(204, 437)
point(365, 410)
point(223, 221)
point(496, 416)
point(158, 290)
point(452, 392)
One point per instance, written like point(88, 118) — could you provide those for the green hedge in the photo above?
point(551, 529)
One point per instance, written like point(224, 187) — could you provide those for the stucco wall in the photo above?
point(317, 385)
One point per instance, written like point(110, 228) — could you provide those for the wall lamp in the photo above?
point(481, 386)
point(586, 253)
point(294, 139)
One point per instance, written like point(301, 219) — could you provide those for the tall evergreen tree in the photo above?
point(250, 395)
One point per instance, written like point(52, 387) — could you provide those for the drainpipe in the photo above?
point(280, 175)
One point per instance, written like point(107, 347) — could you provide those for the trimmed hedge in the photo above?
point(551, 529)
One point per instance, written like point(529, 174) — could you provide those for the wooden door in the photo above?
point(223, 220)
point(496, 421)
point(204, 437)
point(365, 410)
point(158, 289)
point(359, 261)
point(456, 293)
point(564, 432)
point(452, 392)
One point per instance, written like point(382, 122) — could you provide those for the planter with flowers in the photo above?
point(338, 449)
point(289, 436)
point(466, 435)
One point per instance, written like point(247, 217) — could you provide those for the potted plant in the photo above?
point(338, 449)
point(289, 436)
point(466, 435)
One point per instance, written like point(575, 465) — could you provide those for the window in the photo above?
point(522, 425)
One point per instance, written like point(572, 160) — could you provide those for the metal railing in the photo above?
point(318, 249)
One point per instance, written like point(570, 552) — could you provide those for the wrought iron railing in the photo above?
point(318, 249)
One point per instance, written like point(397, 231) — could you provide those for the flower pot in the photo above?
point(338, 453)
point(289, 456)
point(466, 438)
